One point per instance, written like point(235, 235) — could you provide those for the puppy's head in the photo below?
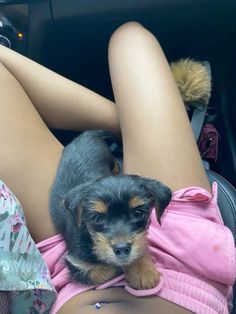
point(115, 211)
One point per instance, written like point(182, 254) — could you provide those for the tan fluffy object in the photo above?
point(193, 80)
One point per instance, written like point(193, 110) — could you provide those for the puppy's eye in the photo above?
point(139, 214)
point(98, 219)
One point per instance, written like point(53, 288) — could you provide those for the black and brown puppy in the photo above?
point(104, 217)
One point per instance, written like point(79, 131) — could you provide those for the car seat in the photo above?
point(227, 204)
point(226, 192)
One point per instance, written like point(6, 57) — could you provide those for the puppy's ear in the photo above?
point(159, 195)
point(74, 199)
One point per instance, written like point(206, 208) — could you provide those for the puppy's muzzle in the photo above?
point(122, 250)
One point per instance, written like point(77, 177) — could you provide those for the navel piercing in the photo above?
point(99, 304)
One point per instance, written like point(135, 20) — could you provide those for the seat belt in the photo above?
point(198, 117)
point(197, 121)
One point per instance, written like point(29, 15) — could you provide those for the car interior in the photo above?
point(71, 37)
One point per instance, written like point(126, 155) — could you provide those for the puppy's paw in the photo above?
point(142, 274)
point(143, 280)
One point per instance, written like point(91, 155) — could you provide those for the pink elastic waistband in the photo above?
point(189, 292)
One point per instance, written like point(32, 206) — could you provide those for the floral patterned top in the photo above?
point(23, 272)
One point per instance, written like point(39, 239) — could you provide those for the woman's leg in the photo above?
point(29, 153)
point(61, 103)
point(157, 136)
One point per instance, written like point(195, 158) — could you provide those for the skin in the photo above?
point(154, 145)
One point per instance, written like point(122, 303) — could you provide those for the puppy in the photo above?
point(104, 216)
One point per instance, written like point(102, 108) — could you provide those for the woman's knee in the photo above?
point(129, 26)
point(130, 33)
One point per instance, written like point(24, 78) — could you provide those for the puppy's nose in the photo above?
point(122, 249)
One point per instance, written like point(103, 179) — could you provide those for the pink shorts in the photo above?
point(192, 249)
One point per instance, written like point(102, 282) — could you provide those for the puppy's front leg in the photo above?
point(142, 274)
point(88, 273)
point(98, 274)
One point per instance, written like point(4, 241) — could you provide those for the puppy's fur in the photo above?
point(104, 217)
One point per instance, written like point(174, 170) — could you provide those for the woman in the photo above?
point(157, 142)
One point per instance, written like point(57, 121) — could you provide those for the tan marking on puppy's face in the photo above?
point(140, 245)
point(136, 201)
point(102, 247)
point(100, 207)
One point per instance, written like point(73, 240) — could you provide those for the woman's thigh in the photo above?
point(157, 136)
point(29, 155)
